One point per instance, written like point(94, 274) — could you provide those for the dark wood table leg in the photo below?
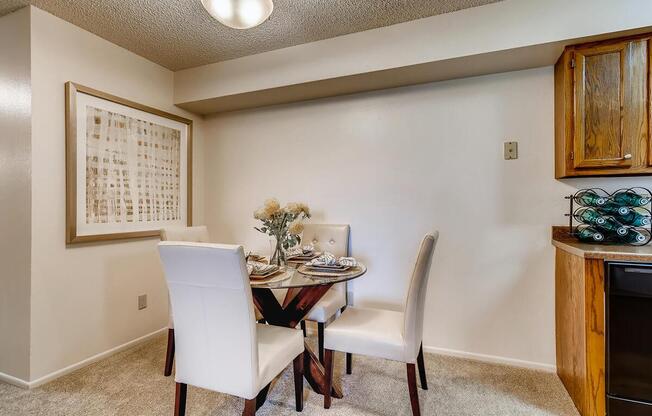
point(292, 293)
point(290, 315)
point(315, 374)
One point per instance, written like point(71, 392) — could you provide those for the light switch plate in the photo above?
point(142, 302)
point(511, 150)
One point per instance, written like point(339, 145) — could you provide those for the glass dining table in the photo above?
point(304, 291)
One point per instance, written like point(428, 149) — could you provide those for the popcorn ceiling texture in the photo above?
point(179, 34)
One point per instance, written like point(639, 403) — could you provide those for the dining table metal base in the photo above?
point(298, 303)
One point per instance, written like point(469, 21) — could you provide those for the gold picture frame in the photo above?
point(76, 232)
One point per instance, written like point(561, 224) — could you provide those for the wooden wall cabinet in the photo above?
point(602, 109)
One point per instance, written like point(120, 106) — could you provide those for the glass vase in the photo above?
point(278, 254)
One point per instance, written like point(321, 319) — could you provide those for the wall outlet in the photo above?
point(511, 150)
point(142, 302)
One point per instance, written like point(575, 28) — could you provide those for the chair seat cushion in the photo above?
point(373, 332)
point(328, 305)
point(277, 347)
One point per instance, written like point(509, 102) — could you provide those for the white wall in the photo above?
point(84, 298)
point(15, 110)
point(398, 163)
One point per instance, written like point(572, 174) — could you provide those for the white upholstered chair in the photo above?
point(196, 234)
point(220, 346)
point(387, 334)
point(333, 238)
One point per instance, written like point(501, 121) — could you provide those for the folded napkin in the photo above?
point(326, 259)
point(294, 252)
point(347, 261)
point(258, 268)
point(298, 251)
point(329, 259)
point(255, 258)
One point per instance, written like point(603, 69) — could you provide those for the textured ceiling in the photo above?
point(180, 34)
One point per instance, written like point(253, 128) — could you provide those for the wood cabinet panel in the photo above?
point(595, 337)
point(599, 103)
point(602, 109)
point(580, 340)
point(569, 323)
point(648, 98)
point(635, 115)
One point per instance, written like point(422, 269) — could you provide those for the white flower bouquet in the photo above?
point(284, 224)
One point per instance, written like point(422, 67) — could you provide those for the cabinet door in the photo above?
point(608, 110)
point(648, 99)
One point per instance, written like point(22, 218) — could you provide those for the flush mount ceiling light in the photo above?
point(239, 14)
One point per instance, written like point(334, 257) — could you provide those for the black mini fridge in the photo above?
point(629, 339)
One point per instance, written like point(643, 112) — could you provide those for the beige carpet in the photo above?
point(132, 383)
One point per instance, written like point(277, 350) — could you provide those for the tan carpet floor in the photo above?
point(132, 383)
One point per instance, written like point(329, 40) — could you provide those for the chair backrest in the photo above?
point(333, 238)
point(416, 295)
point(215, 332)
point(197, 234)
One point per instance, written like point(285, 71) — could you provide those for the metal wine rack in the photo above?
point(620, 217)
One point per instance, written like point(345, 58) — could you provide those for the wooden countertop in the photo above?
point(564, 241)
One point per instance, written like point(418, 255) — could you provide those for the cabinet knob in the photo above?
point(627, 156)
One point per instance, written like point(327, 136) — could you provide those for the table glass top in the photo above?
point(291, 277)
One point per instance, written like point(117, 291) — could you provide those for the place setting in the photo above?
point(329, 266)
point(261, 272)
point(301, 255)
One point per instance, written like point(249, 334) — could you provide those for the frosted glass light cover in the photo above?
point(239, 14)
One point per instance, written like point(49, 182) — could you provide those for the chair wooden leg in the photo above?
point(298, 382)
point(262, 396)
point(169, 355)
point(320, 340)
point(303, 328)
point(328, 367)
point(412, 386)
point(349, 363)
point(250, 408)
point(422, 369)
point(180, 399)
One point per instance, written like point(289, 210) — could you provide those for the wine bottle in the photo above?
point(635, 219)
point(590, 235)
point(611, 208)
point(610, 225)
point(589, 198)
point(630, 198)
point(634, 237)
point(589, 216)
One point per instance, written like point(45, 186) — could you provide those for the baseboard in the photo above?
point(14, 381)
point(62, 372)
point(491, 359)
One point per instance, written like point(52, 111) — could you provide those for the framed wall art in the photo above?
point(128, 168)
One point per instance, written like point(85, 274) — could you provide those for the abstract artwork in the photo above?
point(128, 168)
